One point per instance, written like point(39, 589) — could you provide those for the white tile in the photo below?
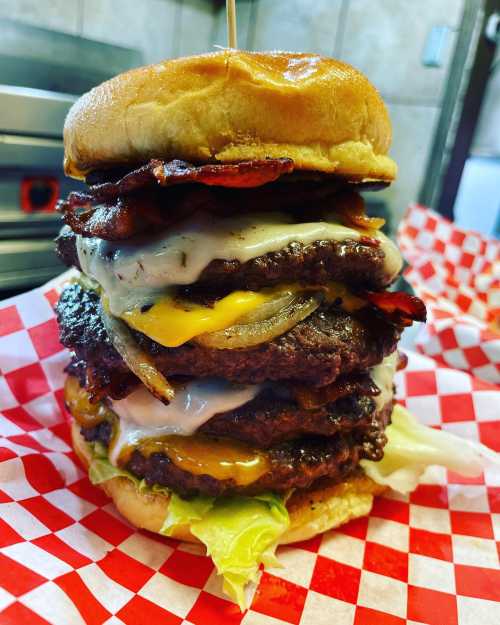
point(84, 541)
point(385, 40)
point(54, 14)
point(426, 408)
point(16, 351)
point(22, 521)
point(150, 552)
point(322, 610)
point(486, 405)
point(13, 479)
point(472, 611)
point(9, 428)
point(469, 498)
point(431, 573)
point(296, 25)
point(148, 26)
point(448, 382)
point(72, 505)
point(110, 594)
point(382, 593)
point(169, 594)
point(49, 602)
point(37, 559)
point(45, 410)
point(49, 440)
point(465, 429)
point(474, 551)
point(343, 548)
point(430, 519)
point(7, 399)
point(256, 618)
point(297, 565)
point(5, 599)
point(388, 533)
point(495, 519)
point(53, 367)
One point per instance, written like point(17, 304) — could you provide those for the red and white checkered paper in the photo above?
point(67, 557)
point(457, 273)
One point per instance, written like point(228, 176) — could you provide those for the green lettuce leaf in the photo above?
point(240, 533)
point(412, 447)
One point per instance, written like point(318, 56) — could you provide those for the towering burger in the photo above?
point(233, 340)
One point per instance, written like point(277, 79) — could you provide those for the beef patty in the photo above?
point(358, 263)
point(316, 351)
point(301, 445)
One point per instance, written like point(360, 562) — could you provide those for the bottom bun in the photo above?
point(312, 511)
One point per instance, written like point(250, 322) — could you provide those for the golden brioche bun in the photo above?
point(231, 106)
point(311, 512)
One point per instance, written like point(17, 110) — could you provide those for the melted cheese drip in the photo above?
point(142, 416)
point(171, 323)
point(201, 455)
point(137, 272)
point(383, 376)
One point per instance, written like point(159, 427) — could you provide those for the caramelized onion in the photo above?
point(135, 358)
point(243, 335)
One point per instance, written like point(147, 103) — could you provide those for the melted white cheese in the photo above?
point(383, 376)
point(143, 416)
point(134, 272)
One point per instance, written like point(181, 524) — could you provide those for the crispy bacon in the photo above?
point(400, 307)
point(235, 175)
point(115, 221)
point(310, 398)
point(350, 208)
point(167, 173)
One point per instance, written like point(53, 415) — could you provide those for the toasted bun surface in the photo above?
point(230, 106)
point(311, 512)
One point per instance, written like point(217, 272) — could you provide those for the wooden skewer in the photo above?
point(231, 23)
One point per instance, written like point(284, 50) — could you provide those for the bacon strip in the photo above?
point(235, 175)
point(166, 173)
point(350, 208)
point(310, 398)
point(400, 307)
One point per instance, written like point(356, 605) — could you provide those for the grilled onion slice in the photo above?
point(257, 331)
point(135, 358)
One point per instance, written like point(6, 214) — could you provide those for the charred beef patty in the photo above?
point(268, 420)
point(358, 263)
point(294, 464)
point(316, 351)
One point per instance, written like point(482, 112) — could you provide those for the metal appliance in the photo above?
point(37, 66)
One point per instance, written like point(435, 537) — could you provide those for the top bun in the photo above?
point(229, 106)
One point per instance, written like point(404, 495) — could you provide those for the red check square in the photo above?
point(8, 535)
point(209, 609)
point(107, 527)
point(475, 356)
point(431, 544)
point(279, 598)
point(336, 580)
point(22, 419)
point(488, 434)
point(140, 611)
point(16, 578)
point(54, 518)
point(431, 495)
point(19, 614)
point(28, 383)
point(10, 321)
point(431, 606)
point(45, 338)
point(474, 581)
point(386, 561)
point(125, 570)
point(458, 407)
point(187, 568)
point(93, 612)
point(391, 509)
point(420, 383)
point(471, 524)
point(54, 545)
point(41, 473)
point(494, 498)
point(368, 616)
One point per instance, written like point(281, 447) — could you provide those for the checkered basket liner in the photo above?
point(457, 274)
point(68, 558)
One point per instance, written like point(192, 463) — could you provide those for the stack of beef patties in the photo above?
point(232, 337)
